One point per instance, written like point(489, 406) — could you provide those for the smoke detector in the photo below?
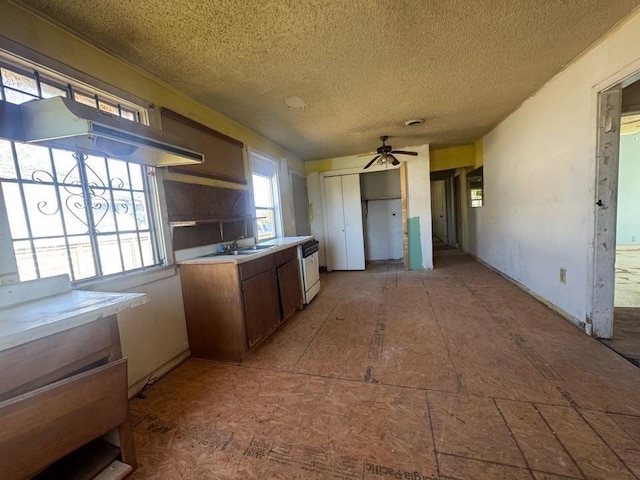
point(296, 103)
point(414, 122)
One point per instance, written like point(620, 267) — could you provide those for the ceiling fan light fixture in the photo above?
point(385, 154)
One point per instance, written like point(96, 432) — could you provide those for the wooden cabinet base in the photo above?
point(231, 308)
point(67, 399)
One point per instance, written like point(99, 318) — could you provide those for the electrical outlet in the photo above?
point(634, 238)
point(563, 275)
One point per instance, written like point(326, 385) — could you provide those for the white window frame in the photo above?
point(475, 188)
point(149, 182)
point(268, 167)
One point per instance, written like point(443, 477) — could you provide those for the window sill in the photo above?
point(128, 281)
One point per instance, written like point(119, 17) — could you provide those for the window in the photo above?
point(475, 184)
point(264, 179)
point(81, 215)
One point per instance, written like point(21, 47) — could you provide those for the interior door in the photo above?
point(439, 209)
point(354, 233)
point(336, 248)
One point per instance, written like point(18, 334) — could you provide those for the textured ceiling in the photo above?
point(362, 66)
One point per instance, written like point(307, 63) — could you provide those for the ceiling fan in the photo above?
point(385, 154)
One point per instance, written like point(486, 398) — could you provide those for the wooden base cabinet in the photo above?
point(59, 393)
point(261, 309)
point(290, 287)
point(230, 308)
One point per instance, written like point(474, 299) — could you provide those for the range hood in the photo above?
point(59, 122)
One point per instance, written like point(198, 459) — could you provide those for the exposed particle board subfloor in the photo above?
point(626, 321)
point(451, 373)
point(626, 334)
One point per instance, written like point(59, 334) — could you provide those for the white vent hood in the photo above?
point(58, 122)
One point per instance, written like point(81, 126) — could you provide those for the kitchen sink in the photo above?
point(237, 253)
point(250, 250)
point(254, 248)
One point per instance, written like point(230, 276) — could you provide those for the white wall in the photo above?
point(539, 178)
point(383, 229)
point(419, 209)
point(155, 333)
point(382, 184)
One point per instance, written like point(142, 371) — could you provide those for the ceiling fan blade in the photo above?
point(404, 152)
point(395, 161)
point(371, 162)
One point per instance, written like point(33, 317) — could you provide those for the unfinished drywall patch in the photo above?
point(415, 244)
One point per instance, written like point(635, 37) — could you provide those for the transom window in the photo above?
point(71, 213)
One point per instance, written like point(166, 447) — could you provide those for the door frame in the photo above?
point(606, 99)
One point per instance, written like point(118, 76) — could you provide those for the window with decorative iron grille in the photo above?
point(71, 213)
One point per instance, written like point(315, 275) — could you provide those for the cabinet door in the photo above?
point(290, 288)
point(261, 306)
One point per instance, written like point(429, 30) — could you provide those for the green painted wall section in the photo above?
point(415, 246)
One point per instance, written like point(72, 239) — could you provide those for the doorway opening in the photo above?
point(382, 216)
point(616, 317)
point(626, 312)
point(446, 209)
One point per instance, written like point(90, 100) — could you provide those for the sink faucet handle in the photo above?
point(233, 245)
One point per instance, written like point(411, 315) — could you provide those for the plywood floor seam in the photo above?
point(451, 373)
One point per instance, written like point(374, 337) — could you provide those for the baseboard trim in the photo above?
point(158, 373)
point(582, 326)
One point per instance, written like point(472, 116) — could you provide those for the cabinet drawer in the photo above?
point(285, 255)
point(43, 425)
point(41, 362)
point(255, 267)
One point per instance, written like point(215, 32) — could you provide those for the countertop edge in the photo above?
point(276, 244)
point(84, 316)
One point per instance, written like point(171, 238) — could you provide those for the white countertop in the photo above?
point(24, 318)
point(276, 245)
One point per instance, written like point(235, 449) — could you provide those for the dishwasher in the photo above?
point(309, 270)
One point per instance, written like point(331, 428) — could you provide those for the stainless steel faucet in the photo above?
point(234, 245)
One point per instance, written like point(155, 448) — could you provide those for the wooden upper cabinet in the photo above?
point(223, 155)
